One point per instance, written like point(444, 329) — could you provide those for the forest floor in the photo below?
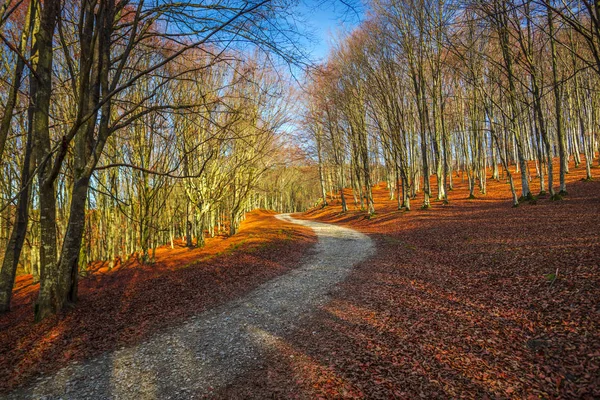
point(474, 299)
point(213, 348)
point(130, 303)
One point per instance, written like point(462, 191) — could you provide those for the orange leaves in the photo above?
point(434, 316)
point(127, 304)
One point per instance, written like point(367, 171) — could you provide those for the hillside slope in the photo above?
point(474, 299)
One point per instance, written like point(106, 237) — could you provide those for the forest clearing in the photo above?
point(299, 199)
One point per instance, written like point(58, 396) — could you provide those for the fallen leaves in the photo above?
point(457, 304)
point(123, 306)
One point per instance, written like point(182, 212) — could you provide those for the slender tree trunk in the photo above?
point(17, 236)
point(69, 260)
point(49, 298)
point(17, 76)
point(562, 151)
point(318, 139)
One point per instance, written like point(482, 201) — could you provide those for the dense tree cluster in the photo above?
point(126, 125)
point(427, 88)
point(130, 124)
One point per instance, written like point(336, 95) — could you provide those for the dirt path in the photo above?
point(212, 349)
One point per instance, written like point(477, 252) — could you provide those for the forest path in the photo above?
point(212, 349)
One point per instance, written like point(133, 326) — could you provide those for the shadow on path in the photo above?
point(213, 348)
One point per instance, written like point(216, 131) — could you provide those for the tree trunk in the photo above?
point(15, 244)
point(17, 76)
point(48, 299)
point(69, 259)
point(562, 152)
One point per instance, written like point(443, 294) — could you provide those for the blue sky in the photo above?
point(324, 18)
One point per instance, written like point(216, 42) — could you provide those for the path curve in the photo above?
point(212, 349)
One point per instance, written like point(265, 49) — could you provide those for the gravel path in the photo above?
point(212, 349)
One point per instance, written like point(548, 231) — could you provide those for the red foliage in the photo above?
point(16, 20)
point(459, 302)
point(125, 305)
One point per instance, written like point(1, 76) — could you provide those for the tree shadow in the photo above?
point(128, 305)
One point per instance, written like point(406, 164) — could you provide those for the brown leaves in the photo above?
point(434, 315)
point(126, 305)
